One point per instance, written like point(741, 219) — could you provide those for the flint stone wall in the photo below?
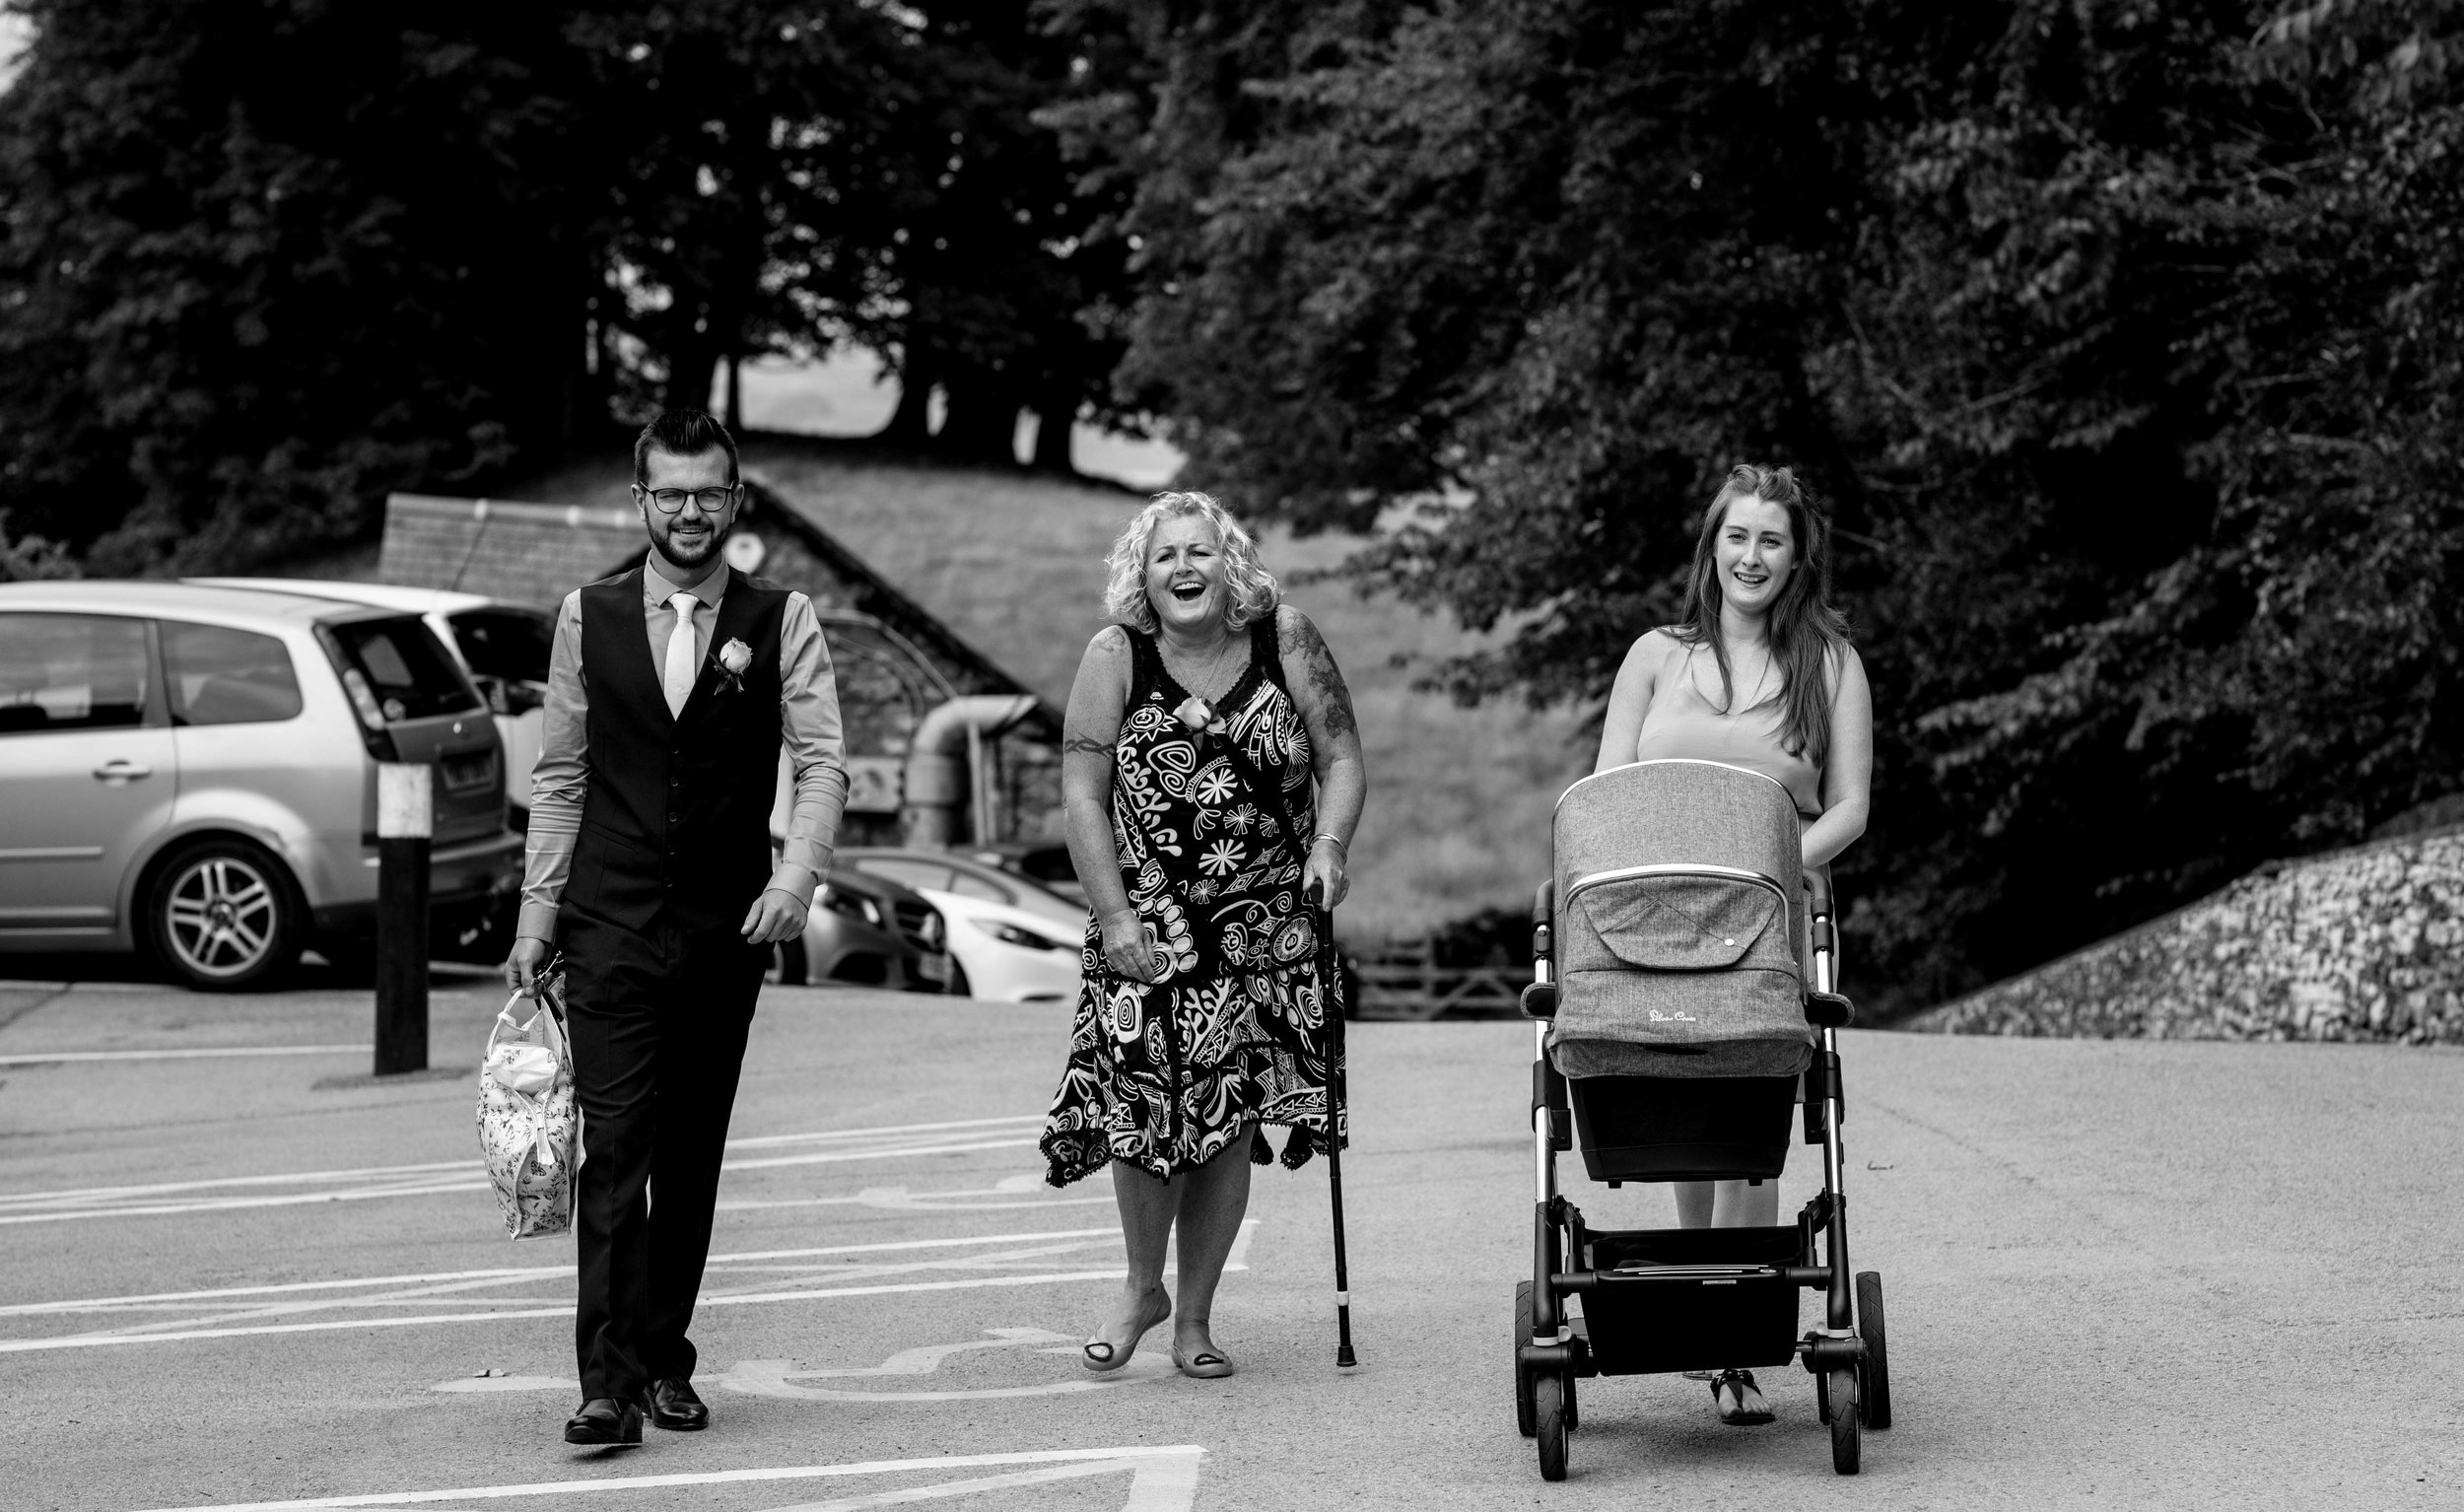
point(2365, 944)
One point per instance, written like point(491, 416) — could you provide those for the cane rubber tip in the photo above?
point(1344, 1359)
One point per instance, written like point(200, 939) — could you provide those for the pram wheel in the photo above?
point(1550, 1403)
point(1523, 1415)
point(1873, 1394)
point(1840, 1398)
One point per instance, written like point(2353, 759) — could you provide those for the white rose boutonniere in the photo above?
point(733, 658)
point(1200, 718)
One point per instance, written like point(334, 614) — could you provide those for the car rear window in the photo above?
point(505, 643)
point(408, 669)
point(71, 672)
point(222, 677)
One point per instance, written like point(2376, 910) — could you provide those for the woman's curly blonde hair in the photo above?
point(1253, 588)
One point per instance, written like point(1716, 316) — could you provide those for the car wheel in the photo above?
point(351, 958)
point(223, 916)
point(788, 966)
point(959, 984)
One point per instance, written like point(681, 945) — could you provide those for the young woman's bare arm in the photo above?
point(1325, 711)
point(1847, 768)
point(1090, 734)
point(1629, 700)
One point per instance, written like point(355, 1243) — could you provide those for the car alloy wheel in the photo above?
point(223, 917)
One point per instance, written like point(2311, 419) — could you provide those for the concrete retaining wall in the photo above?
point(2361, 944)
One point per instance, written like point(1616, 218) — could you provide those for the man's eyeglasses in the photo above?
point(709, 500)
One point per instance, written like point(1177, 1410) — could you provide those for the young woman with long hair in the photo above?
point(1758, 674)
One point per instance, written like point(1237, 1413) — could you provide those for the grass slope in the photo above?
point(1459, 799)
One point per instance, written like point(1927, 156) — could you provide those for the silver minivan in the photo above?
point(504, 647)
point(191, 772)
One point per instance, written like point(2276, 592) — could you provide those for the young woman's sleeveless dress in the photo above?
point(1684, 722)
point(1211, 828)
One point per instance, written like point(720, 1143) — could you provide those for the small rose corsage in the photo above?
point(1200, 718)
point(733, 658)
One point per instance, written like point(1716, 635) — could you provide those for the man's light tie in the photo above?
point(682, 664)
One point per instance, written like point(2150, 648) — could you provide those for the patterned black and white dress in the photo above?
point(1211, 828)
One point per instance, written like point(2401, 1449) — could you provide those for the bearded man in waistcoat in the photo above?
point(671, 691)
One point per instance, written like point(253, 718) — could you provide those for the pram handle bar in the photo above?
point(1703, 870)
point(1538, 998)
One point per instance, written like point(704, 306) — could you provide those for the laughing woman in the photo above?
point(1199, 720)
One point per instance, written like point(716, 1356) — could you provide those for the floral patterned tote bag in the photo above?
point(528, 1119)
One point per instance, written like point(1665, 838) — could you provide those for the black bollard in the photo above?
point(405, 810)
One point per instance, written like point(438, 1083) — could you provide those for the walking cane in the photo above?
point(1329, 982)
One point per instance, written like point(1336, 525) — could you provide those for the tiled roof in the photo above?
point(537, 553)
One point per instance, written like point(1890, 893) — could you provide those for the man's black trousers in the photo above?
point(658, 1018)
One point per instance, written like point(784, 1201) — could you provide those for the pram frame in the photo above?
point(1557, 1350)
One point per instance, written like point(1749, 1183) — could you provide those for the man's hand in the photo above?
point(521, 968)
point(775, 915)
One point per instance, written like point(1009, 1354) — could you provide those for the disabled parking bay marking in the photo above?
point(1162, 1479)
point(775, 1378)
point(287, 1188)
point(755, 1278)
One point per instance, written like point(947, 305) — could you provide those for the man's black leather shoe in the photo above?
point(604, 1421)
point(674, 1407)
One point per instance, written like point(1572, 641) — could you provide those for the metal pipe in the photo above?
point(940, 780)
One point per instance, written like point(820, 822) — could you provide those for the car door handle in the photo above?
point(121, 772)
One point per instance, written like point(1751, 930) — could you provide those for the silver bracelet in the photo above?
point(1337, 839)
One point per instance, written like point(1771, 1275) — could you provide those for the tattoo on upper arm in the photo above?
point(1326, 681)
point(1086, 745)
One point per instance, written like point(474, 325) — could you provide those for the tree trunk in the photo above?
point(690, 372)
point(736, 392)
point(981, 425)
point(911, 424)
point(1057, 414)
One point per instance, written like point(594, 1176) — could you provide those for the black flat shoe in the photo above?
point(604, 1421)
point(675, 1408)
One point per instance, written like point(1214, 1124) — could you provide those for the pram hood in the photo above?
point(1681, 926)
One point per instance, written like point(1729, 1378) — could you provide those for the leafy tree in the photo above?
point(2122, 348)
point(260, 262)
point(1003, 271)
point(263, 262)
point(738, 135)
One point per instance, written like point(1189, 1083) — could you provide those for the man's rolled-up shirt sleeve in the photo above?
point(816, 751)
point(559, 781)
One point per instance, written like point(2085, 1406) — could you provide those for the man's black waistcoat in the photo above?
point(677, 814)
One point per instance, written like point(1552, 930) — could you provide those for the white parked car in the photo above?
point(1011, 939)
point(504, 647)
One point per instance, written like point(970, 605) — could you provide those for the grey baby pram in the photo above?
point(1684, 967)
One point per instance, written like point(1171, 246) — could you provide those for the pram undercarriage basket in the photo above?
point(1676, 926)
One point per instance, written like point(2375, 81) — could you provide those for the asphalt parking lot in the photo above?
point(239, 1272)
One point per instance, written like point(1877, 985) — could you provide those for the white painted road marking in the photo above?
point(364, 1184)
point(1164, 1478)
point(773, 1378)
point(55, 1057)
point(1029, 1259)
point(901, 1199)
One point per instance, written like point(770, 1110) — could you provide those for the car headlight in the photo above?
point(852, 904)
point(1011, 934)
